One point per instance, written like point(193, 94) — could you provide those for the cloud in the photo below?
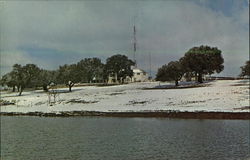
point(8, 59)
point(68, 31)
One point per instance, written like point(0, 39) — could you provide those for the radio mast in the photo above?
point(135, 46)
point(150, 67)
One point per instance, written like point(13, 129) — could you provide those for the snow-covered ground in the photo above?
point(224, 96)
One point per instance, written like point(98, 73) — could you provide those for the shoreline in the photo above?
point(219, 100)
point(158, 114)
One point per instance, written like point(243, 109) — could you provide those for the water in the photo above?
point(94, 138)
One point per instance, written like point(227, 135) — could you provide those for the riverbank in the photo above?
point(222, 96)
point(158, 114)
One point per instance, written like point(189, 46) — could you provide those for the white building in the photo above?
point(139, 75)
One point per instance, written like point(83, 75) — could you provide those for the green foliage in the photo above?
point(30, 74)
point(245, 70)
point(120, 66)
point(22, 76)
point(68, 75)
point(189, 75)
point(86, 70)
point(45, 78)
point(90, 69)
point(8, 80)
point(173, 71)
point(203, 60)
point(64, 74)
point(17, 75)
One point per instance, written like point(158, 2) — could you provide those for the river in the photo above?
point(102, 138)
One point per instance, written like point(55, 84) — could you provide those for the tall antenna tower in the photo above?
point(135, 46)
point(150, 67)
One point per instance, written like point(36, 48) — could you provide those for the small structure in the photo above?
point(112, 79)
point(139, 75)
point(52, 94)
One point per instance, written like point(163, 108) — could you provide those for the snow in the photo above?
point(221, 96)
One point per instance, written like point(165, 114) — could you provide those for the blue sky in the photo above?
point(53, 33)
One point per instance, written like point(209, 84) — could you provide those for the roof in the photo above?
point(137, 70)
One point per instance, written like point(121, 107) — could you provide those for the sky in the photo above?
point(53, 33)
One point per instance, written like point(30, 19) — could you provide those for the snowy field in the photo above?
point(221, 96)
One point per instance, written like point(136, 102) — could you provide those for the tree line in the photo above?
point(197, 62)
point(85, 71)
point(245, 70)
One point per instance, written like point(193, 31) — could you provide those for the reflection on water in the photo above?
point(92, 138)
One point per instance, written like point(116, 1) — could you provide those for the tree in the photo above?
point(22, 76)
point(8, 79)
point(173, 71)
point(28, 76)
point(67, 74)
point(90, 69)
point(203, 60)
point(46, 77)
point(31, 72)
point(245, 70)
point(18, 77)
point(189, 75)
point(120, 66)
